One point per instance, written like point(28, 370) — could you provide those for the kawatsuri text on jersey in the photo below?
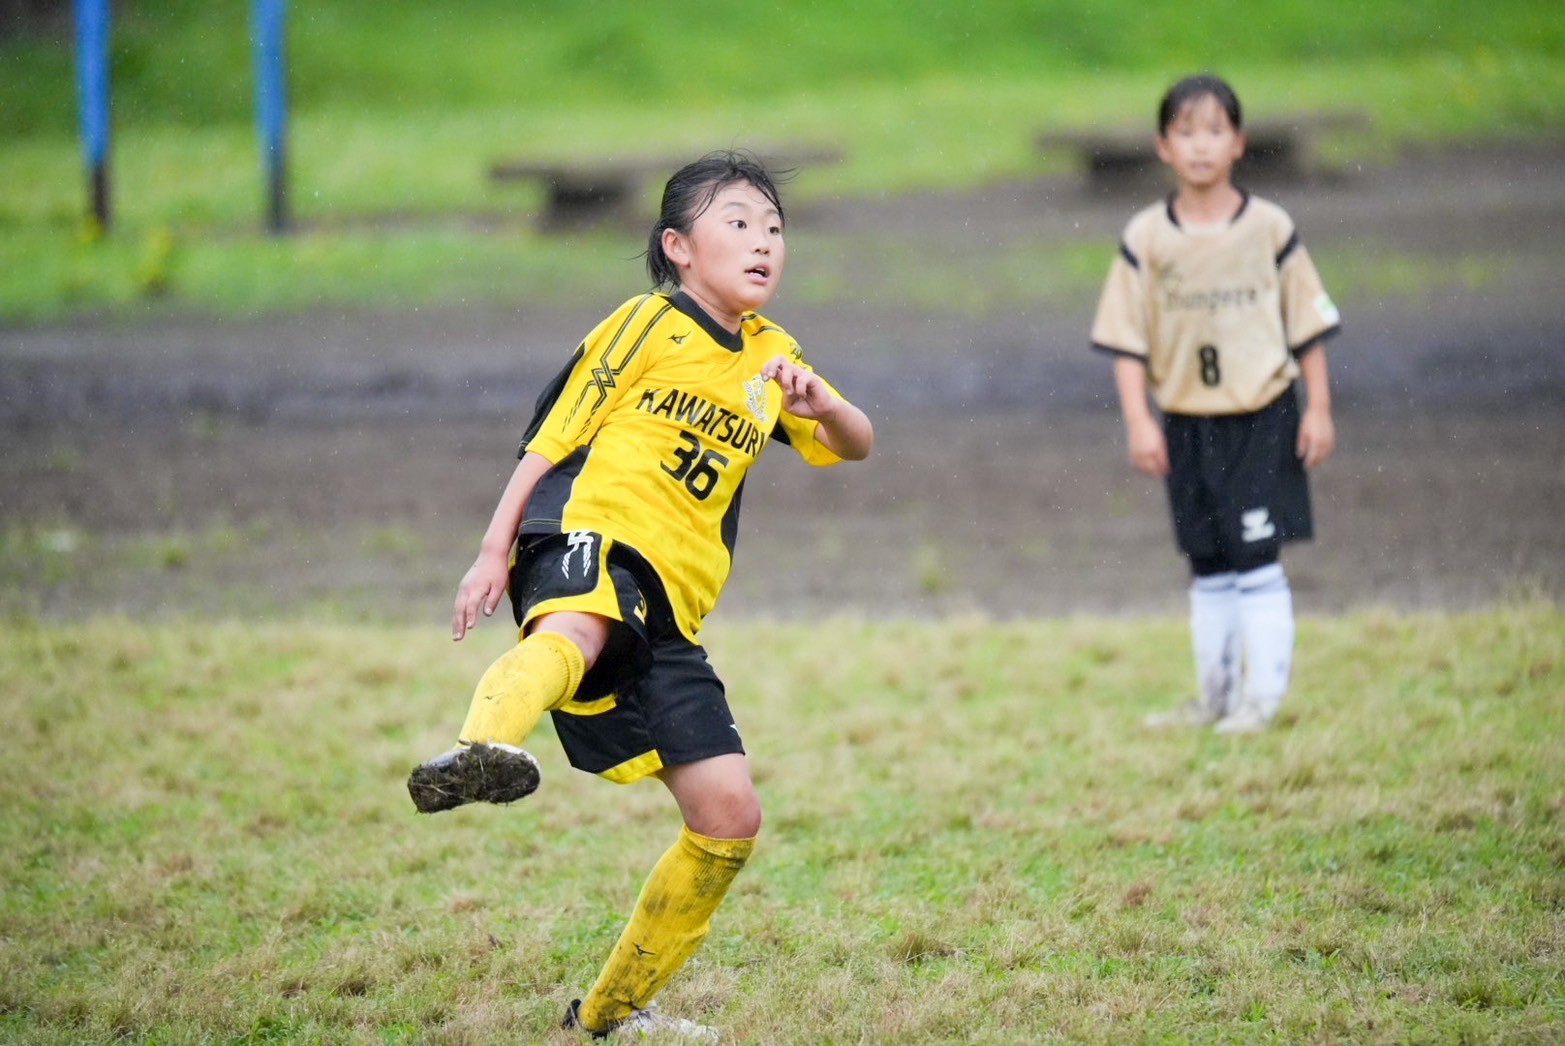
point(651, 428)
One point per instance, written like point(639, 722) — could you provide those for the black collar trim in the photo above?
point(733, 341)
point(1244, 204)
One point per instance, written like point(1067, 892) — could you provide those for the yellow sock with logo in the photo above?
point(671, 918)
point(540, 673)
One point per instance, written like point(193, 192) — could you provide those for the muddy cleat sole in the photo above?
point(474, 773)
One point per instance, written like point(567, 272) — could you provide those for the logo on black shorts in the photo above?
point(1257, 523)
point(578, 539)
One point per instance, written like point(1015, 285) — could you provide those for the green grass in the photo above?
point(207, 838)
point(187, 63)
point(399, 110)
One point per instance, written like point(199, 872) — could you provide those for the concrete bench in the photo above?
point(1285, 148)
point(581, 194)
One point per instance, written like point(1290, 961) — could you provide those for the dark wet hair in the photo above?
point(691, 191)
point(1193, 89)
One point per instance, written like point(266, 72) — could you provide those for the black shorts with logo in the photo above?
point(651, 699)
point(1236, 486)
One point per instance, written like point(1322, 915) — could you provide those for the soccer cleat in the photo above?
point(646, 1023)
point(572, 1021)
point(1246, 719)
point(473, 773)
point(1192, 713)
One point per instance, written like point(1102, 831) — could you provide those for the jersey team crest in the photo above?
point(755, 398)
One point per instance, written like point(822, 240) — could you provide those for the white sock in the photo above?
point(1214, 638)
point(1266, 624)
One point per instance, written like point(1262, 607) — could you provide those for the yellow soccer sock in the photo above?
point(539, 673)
point(671, 919)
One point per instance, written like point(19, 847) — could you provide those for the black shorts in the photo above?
point(1236, 486)
point(651, 699)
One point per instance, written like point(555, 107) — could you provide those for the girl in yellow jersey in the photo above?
point(622, 515)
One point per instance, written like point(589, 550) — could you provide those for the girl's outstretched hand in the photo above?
point(804, 394)
point(481, 589)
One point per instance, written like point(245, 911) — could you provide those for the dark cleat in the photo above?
point(572, 1021)
point(474, 773)
point(643, 1023)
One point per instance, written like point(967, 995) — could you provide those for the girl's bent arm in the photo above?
point(843, 429)
point(847, 432)
point(485, 581)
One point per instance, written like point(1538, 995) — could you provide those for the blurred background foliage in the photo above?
point(186, 62)
point(398, 109)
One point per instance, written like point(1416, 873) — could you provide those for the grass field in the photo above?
point(206, 835)
point(400, 109)
point(207, 839)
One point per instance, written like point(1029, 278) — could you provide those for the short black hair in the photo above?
point(691, 191)
point(1194, 88)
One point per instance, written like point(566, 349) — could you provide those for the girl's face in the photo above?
point(731, 260)
point(1201, 145)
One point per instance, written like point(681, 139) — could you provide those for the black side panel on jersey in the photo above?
point(546, 398)
point(546, 505)
point(731, 521)
point(651, 585)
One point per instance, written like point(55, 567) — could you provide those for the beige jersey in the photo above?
point(1216, 313)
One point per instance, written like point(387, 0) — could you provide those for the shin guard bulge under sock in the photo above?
point(1266, 623)
point(540, 673)
point(1214, 639)
point(671, 919)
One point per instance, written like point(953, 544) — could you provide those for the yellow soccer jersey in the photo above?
point(1216, 313)
point(651, 427)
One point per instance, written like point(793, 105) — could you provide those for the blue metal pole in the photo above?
point(92, 89)
point(271, 107)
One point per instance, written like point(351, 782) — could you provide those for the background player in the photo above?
point(623, 512)
point(1214, 305)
